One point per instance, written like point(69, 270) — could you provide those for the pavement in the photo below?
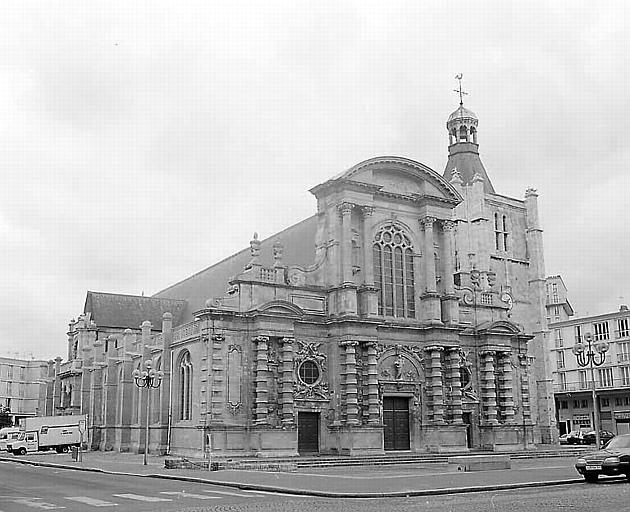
point(400, 480)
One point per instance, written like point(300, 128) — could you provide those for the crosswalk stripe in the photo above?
point(185, 494)
point(139, 497)
point(92, 501)
point(29, 502)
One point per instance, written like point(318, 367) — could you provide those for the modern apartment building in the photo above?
point(22, 384)
point(572, 382)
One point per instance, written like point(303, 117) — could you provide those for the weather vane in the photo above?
point(461, 93)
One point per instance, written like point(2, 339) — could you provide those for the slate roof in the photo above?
point(129, 311)
point(299, 249)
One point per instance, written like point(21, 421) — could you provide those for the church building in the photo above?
point(407, 314)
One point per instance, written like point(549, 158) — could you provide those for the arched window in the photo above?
point(185, 386)
point(393, 272)
point(136, 401)
point(463, 134)
point(156, 395)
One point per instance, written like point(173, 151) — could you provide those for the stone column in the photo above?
point(506, 397)
point(525, 397)
point(436, 390)
point(346, 240)
point(352, 403)
point(429, 254)
point(368, 264)
point(261, 405)
point(288, 409)
point(488, 387)
point(456, 384)
point(217, 383)
point(448, 228)
point(374, 410)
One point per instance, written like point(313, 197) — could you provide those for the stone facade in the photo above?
point(407, 314)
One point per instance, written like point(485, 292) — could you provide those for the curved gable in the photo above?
point(401, 176)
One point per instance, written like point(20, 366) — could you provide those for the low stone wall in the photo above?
point(183, 463)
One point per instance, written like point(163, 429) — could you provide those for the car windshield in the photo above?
point(21, 436)
point(617, 443)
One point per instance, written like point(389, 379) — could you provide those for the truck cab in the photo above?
point(7, 435)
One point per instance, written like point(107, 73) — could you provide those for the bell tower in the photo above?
point(463, 148)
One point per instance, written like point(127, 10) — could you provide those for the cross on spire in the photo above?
point(459, 90)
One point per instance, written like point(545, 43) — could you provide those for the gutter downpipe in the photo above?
point(170, 407)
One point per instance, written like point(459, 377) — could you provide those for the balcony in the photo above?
point(623, 358)
point(586, 386)
point(623, 333)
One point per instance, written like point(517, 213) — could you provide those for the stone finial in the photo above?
point(146, 325)
point(456, 177)
point(477, 178)
point(278, 253)
point(127, 331)
point(254, 247)
point(531, 192)
point(167, 316)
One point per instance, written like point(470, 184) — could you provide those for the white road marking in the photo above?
point(92, 501)
point(139, 497)
point(30, 502)
point(184, 494)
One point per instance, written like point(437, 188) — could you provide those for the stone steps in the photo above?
point(322, 461)
point(413, 458)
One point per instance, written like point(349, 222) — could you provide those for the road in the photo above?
point(24, 488)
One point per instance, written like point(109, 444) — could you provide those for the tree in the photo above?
point(5, 418)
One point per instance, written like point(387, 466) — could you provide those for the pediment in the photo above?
point(401, 176)
point(280, 307)
point(501, 327)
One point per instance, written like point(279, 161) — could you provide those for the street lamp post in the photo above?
point(591, 354)
point(148, 378)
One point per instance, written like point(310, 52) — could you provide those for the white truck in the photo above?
point(48, 433)
point(8, 434)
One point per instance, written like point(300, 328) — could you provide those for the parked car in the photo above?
point(563, 439)
point(577, 436)
point(604, 437)
point(612, 459)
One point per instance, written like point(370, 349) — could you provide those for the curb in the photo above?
point(316, 493)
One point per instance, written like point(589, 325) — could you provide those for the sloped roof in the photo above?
point(299, 249)
point(129, 311)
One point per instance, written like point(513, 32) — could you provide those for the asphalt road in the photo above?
point(24, 488)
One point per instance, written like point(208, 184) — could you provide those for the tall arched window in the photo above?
point(156, 395)
point(393, 272)
point(185, 386)
point(136, 401)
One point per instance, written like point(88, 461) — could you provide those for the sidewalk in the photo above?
point(347, 482)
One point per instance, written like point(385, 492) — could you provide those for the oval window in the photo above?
point(309, 372)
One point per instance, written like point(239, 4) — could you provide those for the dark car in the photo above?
point(612, 459)
point(604, 437)
point(576, 436)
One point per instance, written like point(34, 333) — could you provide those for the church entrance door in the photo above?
point(308, 432)
point(396, 420)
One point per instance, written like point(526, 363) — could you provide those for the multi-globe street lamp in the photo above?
point(591, 354)
point(148, 378)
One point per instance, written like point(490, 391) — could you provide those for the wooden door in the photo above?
point(308, 432)
point(396, 420)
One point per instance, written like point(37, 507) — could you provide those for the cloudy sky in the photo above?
point(141, 142)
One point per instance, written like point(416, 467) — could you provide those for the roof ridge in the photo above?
point(232, 256)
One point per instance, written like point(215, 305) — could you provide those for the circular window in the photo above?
point(309, 372)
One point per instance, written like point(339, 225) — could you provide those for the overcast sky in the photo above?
point(141, 142)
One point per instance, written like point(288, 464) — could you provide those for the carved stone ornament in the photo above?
point(296, 277)
point(399, 363)
point(319, 389)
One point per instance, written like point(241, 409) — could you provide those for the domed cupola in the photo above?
point(463, 149)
